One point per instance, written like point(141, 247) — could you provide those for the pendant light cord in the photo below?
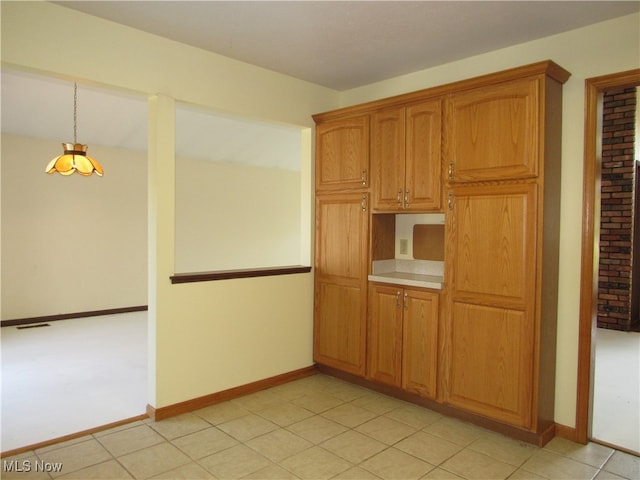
point(75, 113)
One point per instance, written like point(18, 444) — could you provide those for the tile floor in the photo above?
point(315, 428)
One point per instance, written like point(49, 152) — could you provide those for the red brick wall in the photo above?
point(617, 211)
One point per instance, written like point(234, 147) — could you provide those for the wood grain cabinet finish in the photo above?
point(494, 133)
point(403, 338)
point(341, 263)
point(406, 157)
point(501, 260)
point(342, 153)
point(486, 151)
point(491, 270)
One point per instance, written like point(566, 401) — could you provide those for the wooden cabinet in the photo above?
point(403, 336)
point(341, 266)
point(494, 133)
point(492, 284)
point(502, 143)
point(491, 355)
point(342, 153)
point(406, 157)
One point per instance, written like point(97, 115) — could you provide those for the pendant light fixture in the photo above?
point(74, 157)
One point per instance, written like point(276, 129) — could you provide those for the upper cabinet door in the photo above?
point(493, 133)
point(424, 156)
point(387, 158)
point(406, 157)
point(342, 154)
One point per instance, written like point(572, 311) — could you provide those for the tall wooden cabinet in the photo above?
point(342, 243)
point(503, 157)
point(486, 152)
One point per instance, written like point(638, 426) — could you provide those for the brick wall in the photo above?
point(617, 212)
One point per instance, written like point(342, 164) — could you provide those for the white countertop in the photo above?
point(409, 279)
point(411, 273)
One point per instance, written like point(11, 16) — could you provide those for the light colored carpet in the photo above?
point(72, 376)
point(616, 399)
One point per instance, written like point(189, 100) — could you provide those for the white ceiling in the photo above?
point(340, 45)
point(343, 45)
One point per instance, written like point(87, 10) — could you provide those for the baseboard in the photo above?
point(71, 436)
point(68, 316)
point(568, 433)
point(219, 397)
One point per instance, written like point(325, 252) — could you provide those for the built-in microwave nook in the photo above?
point(408, 249)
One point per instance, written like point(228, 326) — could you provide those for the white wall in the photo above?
point(604, 48)
point(71, 244)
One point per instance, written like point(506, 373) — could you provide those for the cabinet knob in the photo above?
point(406, 199)
point(398, 299)
point(451, 170)
point(450, 201)
point(363, 177)
point(363, 203)
point(406, 301)
point(399, 197)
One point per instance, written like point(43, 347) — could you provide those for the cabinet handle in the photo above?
point(399, 198)
point(450, 200)
point(364, 178)
point(451, 170)
point(406, 199)
point(363, 203)
point(398, 299)
point(406, 301)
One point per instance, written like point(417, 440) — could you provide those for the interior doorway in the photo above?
point(587, 356)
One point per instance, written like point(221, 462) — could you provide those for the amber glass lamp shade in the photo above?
point(74, 159)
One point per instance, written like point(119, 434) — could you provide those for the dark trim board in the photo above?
point(242, 273)
point(68, 316)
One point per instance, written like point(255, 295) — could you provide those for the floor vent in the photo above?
point(34, 326)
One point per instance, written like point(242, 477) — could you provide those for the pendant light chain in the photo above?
point(75, 113)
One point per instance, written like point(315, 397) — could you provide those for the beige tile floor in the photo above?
point(315, 428)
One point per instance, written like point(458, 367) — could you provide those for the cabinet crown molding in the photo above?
point(546, 67)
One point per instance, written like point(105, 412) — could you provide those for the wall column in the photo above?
point(161, 238)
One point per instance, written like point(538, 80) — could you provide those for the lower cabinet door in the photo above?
point(385, 334)
point(420, 342)
point(490, 362)
point(403, 338)
point(340, 326)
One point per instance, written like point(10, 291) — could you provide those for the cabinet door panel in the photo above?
point(494, 243)
point(342, 235)
point(424, 156)
point(385, 334)
point(493, 133)
point(420, 344)
point(339, 329)
point(387, 159)
point(342, 154)
point(491, 362)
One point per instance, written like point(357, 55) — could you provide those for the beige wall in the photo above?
point(231, 216)
point(210, 336)
point(600, 49)
point(71, 244)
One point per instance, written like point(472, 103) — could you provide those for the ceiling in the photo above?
point(340, 45)
point(343, 45)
